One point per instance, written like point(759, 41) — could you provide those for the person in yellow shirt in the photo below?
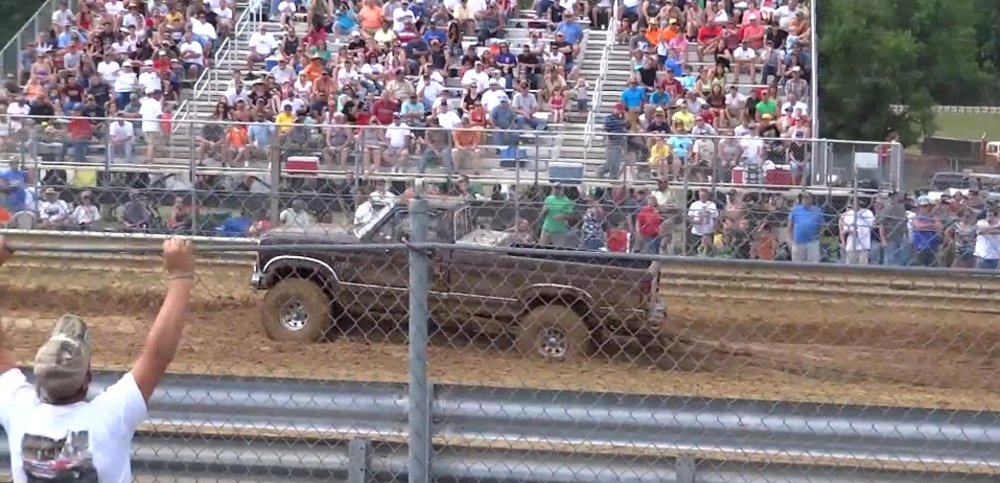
point(659, 157)
point(683, 116)
point(285, 119)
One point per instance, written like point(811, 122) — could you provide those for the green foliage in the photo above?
point(911, 52)
point(15, 14)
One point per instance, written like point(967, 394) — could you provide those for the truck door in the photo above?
point(392, 273)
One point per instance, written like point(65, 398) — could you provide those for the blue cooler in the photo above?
point(270, 63)
point(566, 173)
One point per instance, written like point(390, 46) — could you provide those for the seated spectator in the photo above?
point(53, 213)
point(85, 214)
point(136, 213)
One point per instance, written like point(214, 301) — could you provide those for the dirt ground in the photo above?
point(822, 350)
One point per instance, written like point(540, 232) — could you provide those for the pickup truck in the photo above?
point(559, 306)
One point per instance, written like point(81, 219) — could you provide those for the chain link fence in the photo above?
point(497, 331)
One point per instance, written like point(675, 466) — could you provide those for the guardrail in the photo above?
point(486, 432)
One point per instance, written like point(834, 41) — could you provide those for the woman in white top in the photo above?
point(988, 240)
point(86, 214)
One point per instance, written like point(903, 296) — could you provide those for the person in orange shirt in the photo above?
point(314, 70)
point(237, 140)
point(370, 16)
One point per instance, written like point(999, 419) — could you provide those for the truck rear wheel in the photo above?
point(296, 310)
point(554, 333)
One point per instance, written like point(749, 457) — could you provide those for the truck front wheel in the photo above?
point(295, 309)
point(554, 333)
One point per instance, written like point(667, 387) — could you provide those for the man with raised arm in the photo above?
point(55, 429)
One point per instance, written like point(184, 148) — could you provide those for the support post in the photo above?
point(418, 466)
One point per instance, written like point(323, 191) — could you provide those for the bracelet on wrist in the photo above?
point(181, 276)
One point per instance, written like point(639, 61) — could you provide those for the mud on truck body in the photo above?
point(557, 306)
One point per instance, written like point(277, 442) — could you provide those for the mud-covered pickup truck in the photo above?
point(558, 306)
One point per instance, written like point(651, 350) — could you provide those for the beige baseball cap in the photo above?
point(63, 361)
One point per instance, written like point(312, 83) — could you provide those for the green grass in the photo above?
point(968, 126)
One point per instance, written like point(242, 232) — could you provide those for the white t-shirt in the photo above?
point(703, 215)
point(16, 111)
point(121, 131)
point(53, 210)
point(204, 29)
point(752, 149)
point(150, 81)
point(195, 47)
point(282, 75)
point(263, 43)
point(126, 81)
point(363, 214)
point(397, 135)
point(801, 106)
point(114, 8)
point(744, 53)
point(449, 120)
point(987, 246)
point(479, 79)
point(109, 71)
point(860, 224)
point(296, 220)
point(150, 109)
point(100, 430)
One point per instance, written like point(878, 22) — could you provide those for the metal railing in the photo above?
point(209, 76)
point(345, 413)
point(708, 160)
point(595, 102)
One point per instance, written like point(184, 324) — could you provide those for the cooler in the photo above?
point(302, 164)
point(566, 173)
point(738, 176)
point(270, 63)
point(780, 175)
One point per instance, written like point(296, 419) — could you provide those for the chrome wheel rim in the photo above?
point(293, 315)
point(553, 343)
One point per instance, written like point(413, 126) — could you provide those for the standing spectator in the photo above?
point(648, 221)
point(988, 240)
point(805, 223)
point(893, 229)
point(703, 214)
point(555, 217)
point(151, 110)
point(616, 129)
point(927, 229)
point(962, 236)
point(856, 225)
point(592, 234)
point(91, 437)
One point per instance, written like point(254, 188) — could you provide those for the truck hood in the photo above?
point(317, 234)
point(487, 238)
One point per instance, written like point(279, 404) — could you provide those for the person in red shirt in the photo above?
point(709, 40)
point(384, 108)
point(80, 132)
point(672, 85)
point(648, 222)
point(618, 238)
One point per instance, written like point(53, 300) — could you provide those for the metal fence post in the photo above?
point(274, 208)
point(193, 173)
point(418, 466)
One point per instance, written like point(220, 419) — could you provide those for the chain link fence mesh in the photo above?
point(646, 351)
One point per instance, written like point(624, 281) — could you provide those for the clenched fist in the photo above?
point(178, 256)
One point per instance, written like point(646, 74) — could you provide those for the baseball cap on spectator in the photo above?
point(619, 106)
point(923, 201)
point(62, 363)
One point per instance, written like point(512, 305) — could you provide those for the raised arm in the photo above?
point(165, 335)
point(7, 360)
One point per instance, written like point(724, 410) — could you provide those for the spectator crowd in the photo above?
point(748, 80)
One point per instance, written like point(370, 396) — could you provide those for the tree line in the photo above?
point(873, 54)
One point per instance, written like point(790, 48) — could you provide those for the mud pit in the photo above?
point(821, 350)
